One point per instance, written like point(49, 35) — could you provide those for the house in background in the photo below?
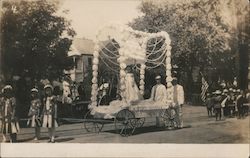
point(82, 53)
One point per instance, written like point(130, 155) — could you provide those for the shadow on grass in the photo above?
point(149, 129)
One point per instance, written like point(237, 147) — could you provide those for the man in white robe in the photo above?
point(158, 96)
point(178, 100)
point(159, 92)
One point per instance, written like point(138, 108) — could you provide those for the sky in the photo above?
point(88, 16)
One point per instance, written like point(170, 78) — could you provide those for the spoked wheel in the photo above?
point(92, 125)
point(123, 122)
point(169, 116)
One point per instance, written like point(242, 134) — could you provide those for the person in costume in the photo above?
point(217, 104)
point(241, 99)
point(10, 124)
point(34, 112)
point(209, 104)
point(103, 92)
point(132, 92)
point(50, 112)
point(159, 92)
point(178, 100)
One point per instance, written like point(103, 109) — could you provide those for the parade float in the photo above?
point(146, 51)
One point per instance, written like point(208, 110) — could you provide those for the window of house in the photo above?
point(89, 61)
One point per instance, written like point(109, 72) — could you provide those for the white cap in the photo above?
point(48, 86)
point(225, 91)
point(158, 77)
point(34, 90)
point(217, 92)
point(7, 87)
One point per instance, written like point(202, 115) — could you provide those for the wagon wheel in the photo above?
point(123, 122)
point(169, 116)
point(92, 125)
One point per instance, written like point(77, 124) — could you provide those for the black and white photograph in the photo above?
point(133, 73)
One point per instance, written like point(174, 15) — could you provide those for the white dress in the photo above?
point(132, 92)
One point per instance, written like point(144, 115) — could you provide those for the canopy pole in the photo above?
point(94, 87)
point(123, 66)
point(142, 77)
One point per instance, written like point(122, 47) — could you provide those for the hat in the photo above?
point(238, 90)
point(48, 86)
point(158, 77)
point(231, 89)
point(225, 91)
point(9, 87)
point(34, 90)
point(217, 92)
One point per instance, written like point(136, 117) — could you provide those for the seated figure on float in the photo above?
point(158, 95)
point(131, 95)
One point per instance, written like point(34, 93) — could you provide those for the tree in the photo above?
point(35, 40)
point(200, 37)
point(34, 44)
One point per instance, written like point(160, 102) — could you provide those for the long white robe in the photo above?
point(158, 97)
point(159, 94)
point(132, 92)
point(179, 92)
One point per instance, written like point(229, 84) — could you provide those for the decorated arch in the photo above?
point(146, 50)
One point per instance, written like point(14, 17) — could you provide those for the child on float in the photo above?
point(34, 112)
point(50, 112)
point(9, 125)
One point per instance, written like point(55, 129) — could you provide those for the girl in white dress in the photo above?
point(132, 92)
point(50, 112)
point(10, 124)
point(34, 112)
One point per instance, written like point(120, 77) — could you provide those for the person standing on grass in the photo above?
point(50, 112)
point(217, 104)
point(224, 102)
point(178, 100)
point(241, 99)
point(9, 125)
point(209, 104)
point(230, 102)
point(34, 112)
point(247, 102)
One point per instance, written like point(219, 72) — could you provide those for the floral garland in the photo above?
point(133, 44)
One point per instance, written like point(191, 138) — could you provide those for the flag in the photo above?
point(204, 87)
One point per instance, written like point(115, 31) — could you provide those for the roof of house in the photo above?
point(81, 46)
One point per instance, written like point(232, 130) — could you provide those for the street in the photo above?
point(198, 128)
